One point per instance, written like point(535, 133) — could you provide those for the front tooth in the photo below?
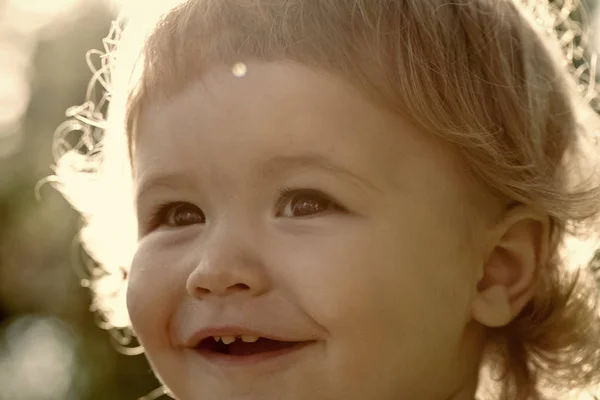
point(227, 339)
point(217, 338)
point(249, 338)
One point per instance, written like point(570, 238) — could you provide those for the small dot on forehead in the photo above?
point(239, 69)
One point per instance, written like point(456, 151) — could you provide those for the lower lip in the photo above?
point(253, 359)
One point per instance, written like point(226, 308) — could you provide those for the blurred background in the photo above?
point(51, 347)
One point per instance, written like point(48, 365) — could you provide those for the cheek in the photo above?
point(151, 292)
point(395, 298)
point(380, 279)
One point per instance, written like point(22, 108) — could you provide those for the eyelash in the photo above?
point(159, 217)
point(286, 194)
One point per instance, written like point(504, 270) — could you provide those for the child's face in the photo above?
point(371, 253)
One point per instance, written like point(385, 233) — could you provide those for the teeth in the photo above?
point(249, 338)
point(231, 339)
point(227, 339)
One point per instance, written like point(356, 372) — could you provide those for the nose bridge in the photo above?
point(228, 261)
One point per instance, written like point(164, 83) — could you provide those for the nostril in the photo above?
point(239, 286)
point(201, 291)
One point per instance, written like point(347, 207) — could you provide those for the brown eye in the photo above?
point(184, 214)
point(178, 215)
point(305, 204)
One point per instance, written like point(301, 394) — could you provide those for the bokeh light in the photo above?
point(38, 361)
point(22, 23)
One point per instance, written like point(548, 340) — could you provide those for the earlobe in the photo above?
point(491, 307)
point(510, 272)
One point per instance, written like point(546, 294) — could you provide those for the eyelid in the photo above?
point(286, 193)
point(151, 222)
point(157, 216)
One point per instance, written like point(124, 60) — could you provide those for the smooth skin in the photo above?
point(296, 205)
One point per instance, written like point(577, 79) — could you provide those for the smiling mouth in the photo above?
point(239, 348)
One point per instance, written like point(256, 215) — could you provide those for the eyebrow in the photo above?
point(270, 168)
point(278, 164)
point(161, 180)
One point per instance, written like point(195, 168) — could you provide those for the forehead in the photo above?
point(226, 123)
point(283, 96)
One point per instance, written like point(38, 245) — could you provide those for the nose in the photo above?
point(227, 265)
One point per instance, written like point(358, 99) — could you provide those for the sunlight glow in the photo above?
point(239, 70)
point(23, 23)
point(14, 96)
point(39, 360)
point(115, 5)
point(47, 8)
point(595, 42)
point(579, 252)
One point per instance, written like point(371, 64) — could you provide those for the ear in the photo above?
point(518, 249)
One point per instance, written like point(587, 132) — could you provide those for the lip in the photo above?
point(200, 335)
point(228, 360)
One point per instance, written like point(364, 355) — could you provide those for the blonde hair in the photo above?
point(503, 82)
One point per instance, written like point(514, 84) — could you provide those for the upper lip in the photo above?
point(202, 334)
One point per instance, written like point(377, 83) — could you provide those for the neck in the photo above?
point(466, 391)
point(471, 355)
